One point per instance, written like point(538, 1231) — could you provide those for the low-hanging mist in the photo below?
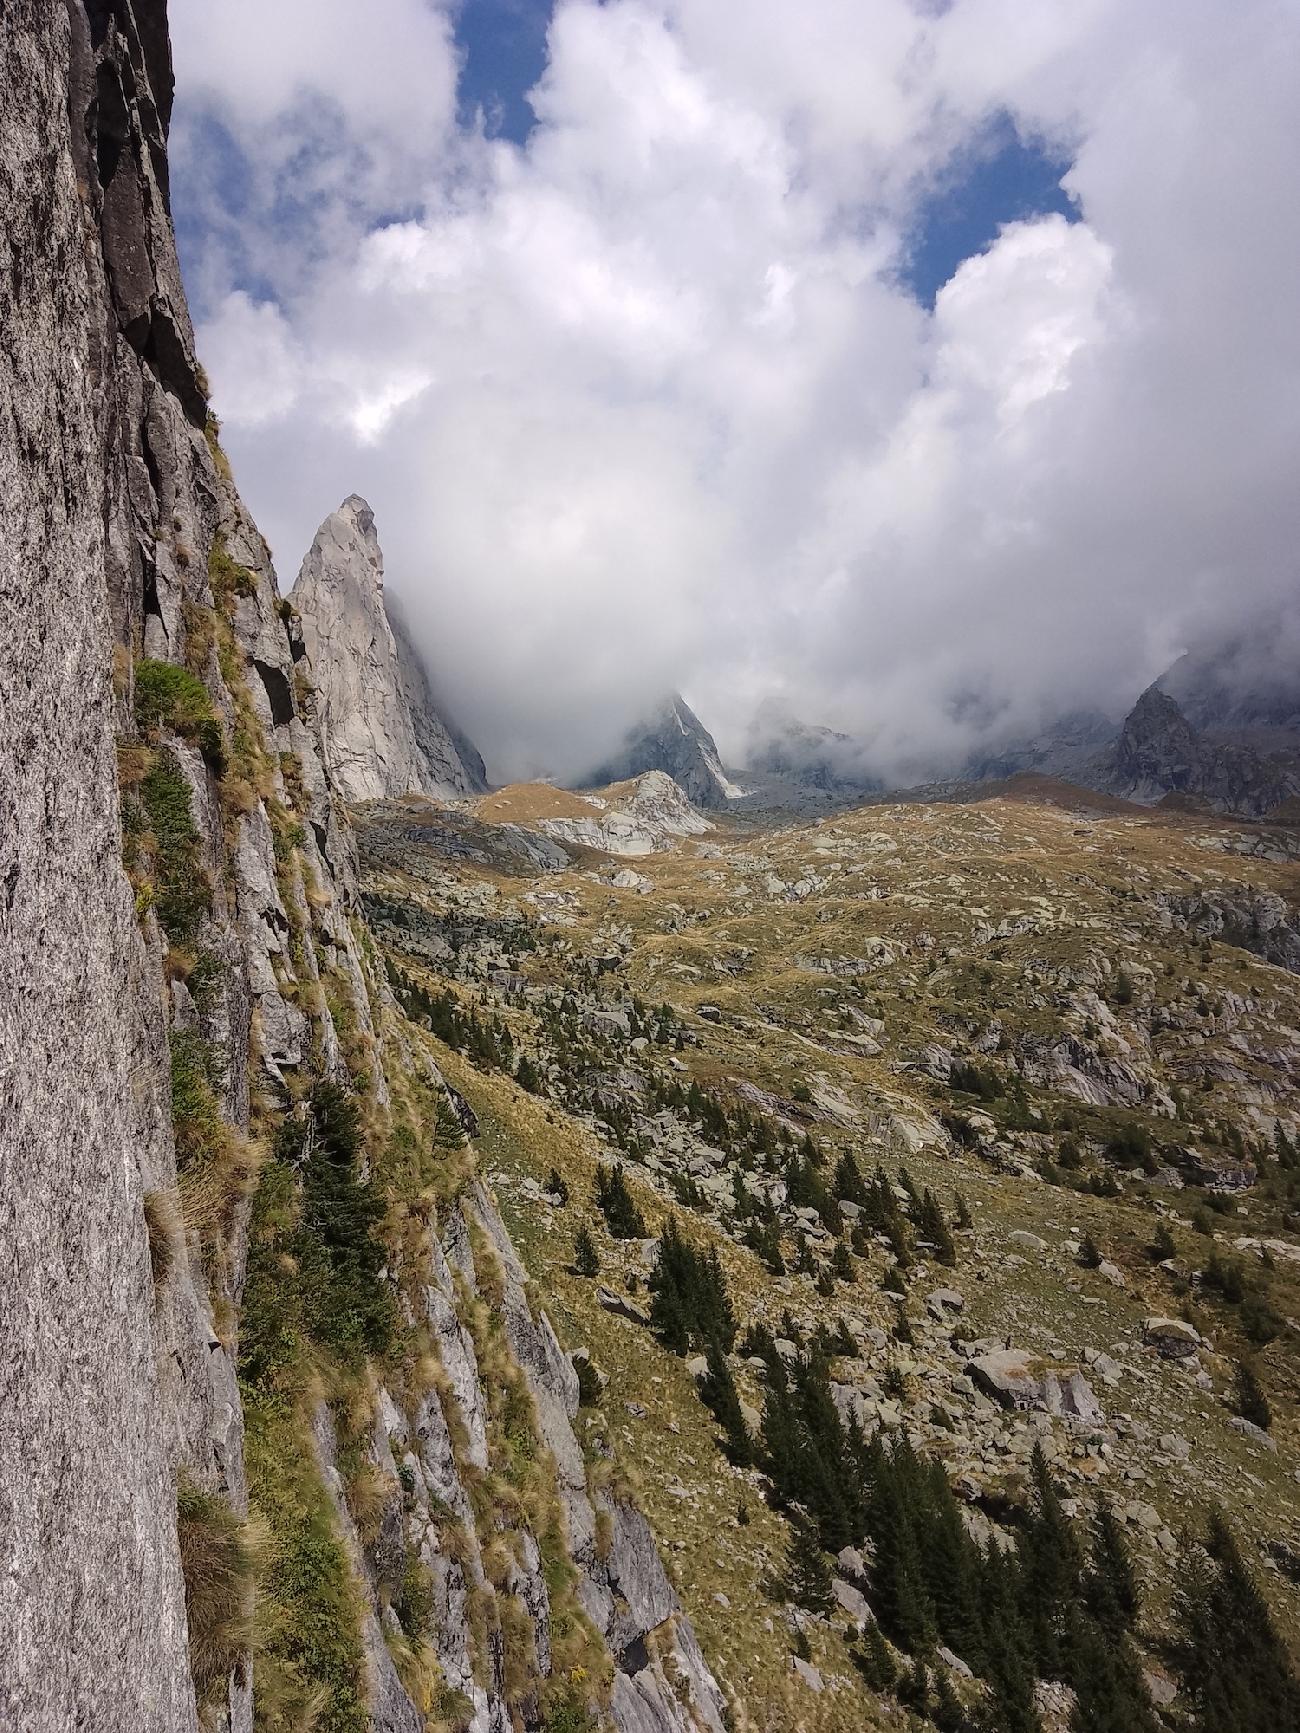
point(644, 404)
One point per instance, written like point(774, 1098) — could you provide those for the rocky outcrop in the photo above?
point(654, 815)
point(381, 732)
point(1257, 921)
point(673, 740)
point(1159, 753)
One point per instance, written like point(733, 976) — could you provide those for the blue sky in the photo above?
point(1003, 178)
point(504, 45)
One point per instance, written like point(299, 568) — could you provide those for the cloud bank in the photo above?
point(644, 404)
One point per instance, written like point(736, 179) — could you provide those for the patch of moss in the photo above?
point(169, 696)
point(225, 574)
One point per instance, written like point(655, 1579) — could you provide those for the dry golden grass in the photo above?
point(163, 1222)
point(529, 802)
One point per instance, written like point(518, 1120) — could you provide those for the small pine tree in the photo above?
point(617, 1204)
point(947, 1712)
point(807, 1579)
point(586, 1259)
point(527, 1076)
point(1110, 1586)
point(875, 1661)
point(914, 1688)
point(1110, 1692)
point(962, 1212)
point(1162, 1246)
point(448, 1132)
point(932, 1228)
point(556, 1187)
point(1231, 1662)
point(590, 1387)
point(1051, 1569)
point(1248, 1394)
point(1090, 1254)
point(718, 1392)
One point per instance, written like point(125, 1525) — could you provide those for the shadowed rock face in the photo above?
point(1159, 752)
point(675, 741)
point(382, 735)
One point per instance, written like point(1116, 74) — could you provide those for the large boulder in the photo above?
point(1015, 1379)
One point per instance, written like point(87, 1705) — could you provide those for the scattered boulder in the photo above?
point(1172, 1338)
point(1256, 1434)
point(852, 1601)
point(621, 1307)
point(808, 1673)
point(1026, 1242)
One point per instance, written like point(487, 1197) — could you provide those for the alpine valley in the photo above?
point(716, 1247)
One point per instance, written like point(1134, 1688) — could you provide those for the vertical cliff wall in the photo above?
point(283, 1442)
point(90, 1588)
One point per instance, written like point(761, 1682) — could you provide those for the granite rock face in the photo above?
point(675, 741)
point(129, 557)
point(1159, 753)
point(88, 317)
point(381, 733)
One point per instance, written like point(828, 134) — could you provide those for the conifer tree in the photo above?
point(946, 1711)
point(1051, 1569)
point(875, 1661)
point(899, 1596)
point(1109, 1690)
point(849, 1183)
point(1110, 1585)
point(932, 1227)
point(690, 1304)
point(1162, 1245)
point(527, 1075)
point(1008, 1665)
point(1089, 1254)
point(590, 1387)
point(448, 1132)
point(1248, 1393)
point(617, 1204)
point(1230, 1660)
point(807, 1578)
point(718, 1391)
point(586, 1259)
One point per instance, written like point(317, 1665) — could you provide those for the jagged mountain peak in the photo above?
point(383, 734)
point(671, 738)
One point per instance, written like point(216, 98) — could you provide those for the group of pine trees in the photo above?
point(485, 1041)
point(1054, 1605)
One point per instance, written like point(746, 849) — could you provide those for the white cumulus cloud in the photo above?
point(644, 403)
